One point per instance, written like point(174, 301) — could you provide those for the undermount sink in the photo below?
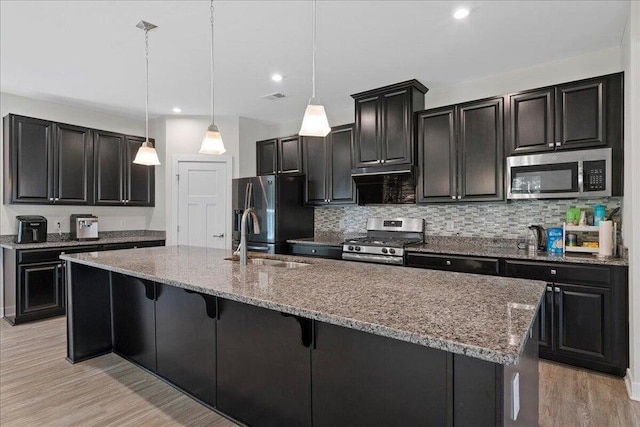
point(277, 263)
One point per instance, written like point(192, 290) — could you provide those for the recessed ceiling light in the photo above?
point(276, 77)
point(177, 110)
point(461, 13)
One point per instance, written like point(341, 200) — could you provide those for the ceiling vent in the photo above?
point(274, 96)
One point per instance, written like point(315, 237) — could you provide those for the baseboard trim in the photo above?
point(633, 387)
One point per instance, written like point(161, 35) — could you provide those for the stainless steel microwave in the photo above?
point(569, 174)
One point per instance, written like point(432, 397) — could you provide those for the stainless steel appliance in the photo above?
point(278, 201)
point(31, 229)
point(385, 240)
point(84, 227)
point(582, 173)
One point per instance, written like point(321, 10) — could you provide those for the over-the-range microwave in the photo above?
point(582, 173)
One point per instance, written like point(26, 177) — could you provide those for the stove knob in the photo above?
point(392, 251)
point(350, 248)
point(384, 250)
point(357, 248)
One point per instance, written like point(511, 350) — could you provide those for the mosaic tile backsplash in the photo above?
point(504, 220)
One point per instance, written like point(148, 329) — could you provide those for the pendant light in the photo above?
point(314, 122)
point(146, 154)
point(212, 142)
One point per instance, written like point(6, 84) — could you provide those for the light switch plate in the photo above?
point(515, 396)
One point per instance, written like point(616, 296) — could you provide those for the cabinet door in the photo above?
point(531, 121)
point(139, 179)
point(263, 367)
point(360, 379)
point(290, 155)
point(583, 316)
point(266, 157)
point(367, 145)
point(108, 154)
point(437, 155)
point(580, 116)
point(134, 329)
point(480, 150)
point(186, 340)
point(73, 183)
point(342, 188)
point(41, 289)
point(396, 133)
point(30, 173)
point(315, 165)
point(545, 316)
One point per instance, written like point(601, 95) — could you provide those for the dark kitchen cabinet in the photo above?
point(119, 181)
point(460, 152)
point(315, 250)
point(576, 115)
point(546, 322)
point(134, 326)
point(263, 365)
point(186, 340)
point(328, 162)
point(279, 156)
point(459, 263)
point(384, 124)
point(360, 379)
point(42, 289)
point(46, 162)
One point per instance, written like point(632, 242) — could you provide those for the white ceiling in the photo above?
point(90, 53)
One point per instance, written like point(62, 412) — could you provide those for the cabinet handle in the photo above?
point(556, 289)
point(448, 262)
point(57, 198)
point(458, 197)
point(383, 161)
point(551, 145)
point(51, 199)
point(549, 289)
point(306, 329)
point(553, 271)
point(558, 144)
point(313, 251)
point(219, 235)
point(453, 197)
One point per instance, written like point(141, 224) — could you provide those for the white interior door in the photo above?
point(202, 204)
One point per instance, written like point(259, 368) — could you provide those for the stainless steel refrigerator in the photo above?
point(279, 204)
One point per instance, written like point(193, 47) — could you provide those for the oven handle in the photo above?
point(380, 259)
point(580, 176)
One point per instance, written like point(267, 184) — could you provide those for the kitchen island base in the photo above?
point(262, 367)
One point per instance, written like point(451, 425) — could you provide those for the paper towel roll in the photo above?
point(606, 238)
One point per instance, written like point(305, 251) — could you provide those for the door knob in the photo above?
point(219, 235)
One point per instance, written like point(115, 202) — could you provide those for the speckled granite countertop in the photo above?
point(106, 237)
point(330, 238)
point(502, 249)
point(484, 317)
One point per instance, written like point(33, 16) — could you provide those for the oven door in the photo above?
point(553, 180)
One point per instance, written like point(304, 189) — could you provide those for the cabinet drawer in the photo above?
point(333, 252)
point(46, 255)
point(462, 264)
point(132, 245)
point(565, 273)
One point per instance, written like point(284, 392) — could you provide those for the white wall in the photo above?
point(631, 213)
point(250, 131)
point(111, 217)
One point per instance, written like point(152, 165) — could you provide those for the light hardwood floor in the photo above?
point(38, 387)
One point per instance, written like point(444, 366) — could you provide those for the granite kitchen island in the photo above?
point(299, 341)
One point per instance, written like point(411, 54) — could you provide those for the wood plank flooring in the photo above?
point(38, 387)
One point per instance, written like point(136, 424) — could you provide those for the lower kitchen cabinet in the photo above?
point(360, 379)
point(186, 340)
point(263, 366)
point(42, 290)
point(134, 325)
point(315, 250)
point(459, 263)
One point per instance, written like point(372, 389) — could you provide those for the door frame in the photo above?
point(176, 159)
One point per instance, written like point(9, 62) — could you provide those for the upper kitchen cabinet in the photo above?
point(581, 114)
point(117, 180)
point(384, 124)
point(279, 155)
point(46, 162)
point(328, 162)
point(460, 152)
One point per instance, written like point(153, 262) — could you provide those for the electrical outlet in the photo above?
point(449, 226)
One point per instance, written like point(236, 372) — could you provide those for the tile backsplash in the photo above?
point(505, 220)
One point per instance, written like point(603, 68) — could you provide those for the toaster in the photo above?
point(31, 229)
point(84, 227)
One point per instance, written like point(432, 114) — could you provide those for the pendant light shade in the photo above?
point(212, 142)
point(314, 122)
point(146, 154)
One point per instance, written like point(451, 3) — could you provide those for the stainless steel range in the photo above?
point(385, 240)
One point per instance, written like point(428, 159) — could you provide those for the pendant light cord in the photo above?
point(211, 10)
point(313, 60)
point(146, 100)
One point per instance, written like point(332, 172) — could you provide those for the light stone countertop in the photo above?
point(105, 238)
point(484, 317)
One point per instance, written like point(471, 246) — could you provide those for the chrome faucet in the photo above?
point(242, 248)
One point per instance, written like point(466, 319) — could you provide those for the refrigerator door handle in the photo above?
point(246, 196)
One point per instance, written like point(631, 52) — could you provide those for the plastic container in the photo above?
point(554, 240)
point(599, 214)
